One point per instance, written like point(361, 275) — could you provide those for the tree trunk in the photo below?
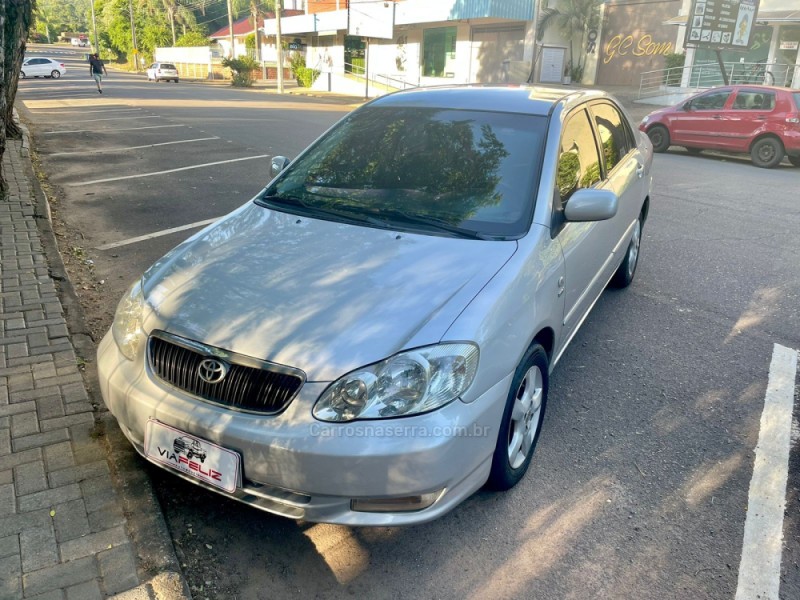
point(171, 12)
point(18, 18)
point(3, 17)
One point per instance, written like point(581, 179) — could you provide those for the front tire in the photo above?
point(22, 74)
point(522, 421)
point(624, 275)
point(767, 152)
point(659, 136)
point(55, 74)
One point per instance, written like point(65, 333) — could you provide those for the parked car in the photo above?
point(762, 121)
point(42, 67)
point(160, 71)
point(372, 335)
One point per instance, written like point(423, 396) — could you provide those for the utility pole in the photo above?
point(94, 26)
point(278, 44)
point(254, 8)
point(230, 27)
point(133, 37)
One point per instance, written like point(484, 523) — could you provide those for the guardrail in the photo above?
point(706, 75)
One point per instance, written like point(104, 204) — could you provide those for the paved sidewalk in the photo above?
point(63, 533)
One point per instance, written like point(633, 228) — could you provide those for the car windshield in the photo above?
point(433, 170)
point(167, 66)
point(797, 99)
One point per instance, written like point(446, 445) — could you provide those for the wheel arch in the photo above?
point(546, 338)
point(766, 134)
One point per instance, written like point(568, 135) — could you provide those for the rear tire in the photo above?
point(694, 151)
point(767, 152)
point(795, 160)
point(522, 421)
point(659, 136)
point(55, 74)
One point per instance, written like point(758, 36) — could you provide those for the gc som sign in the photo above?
point(623, 45)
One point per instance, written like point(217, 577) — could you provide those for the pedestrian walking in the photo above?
point(97, 69)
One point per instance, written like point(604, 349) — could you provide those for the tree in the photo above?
point(192, 38)
point(574, 18)
point(16, 17)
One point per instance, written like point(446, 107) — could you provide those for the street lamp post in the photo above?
point(278, 44)
point(133, 36)
point(94, 27)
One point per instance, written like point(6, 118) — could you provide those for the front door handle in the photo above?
point(640, 170)
point(560, 286)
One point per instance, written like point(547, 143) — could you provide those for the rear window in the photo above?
point(797, 100)
point(167, 66)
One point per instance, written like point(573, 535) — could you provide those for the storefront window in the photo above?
point(439, 52)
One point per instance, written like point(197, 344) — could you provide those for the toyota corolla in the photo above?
point(369, 340)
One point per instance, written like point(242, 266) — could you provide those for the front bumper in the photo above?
point(298, 467)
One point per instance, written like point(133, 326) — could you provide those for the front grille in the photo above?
point(258, 387)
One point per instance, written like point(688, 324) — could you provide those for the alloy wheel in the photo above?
point(525, 416)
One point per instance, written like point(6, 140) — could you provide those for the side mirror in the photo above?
point(279, 163)
point(591, 205)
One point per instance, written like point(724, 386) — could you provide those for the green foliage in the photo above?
point(574, 18)
point(192, 38)
point(57, 16)
point(673, 60)
point(304, 75)
point(242, 68)
point(250, 41)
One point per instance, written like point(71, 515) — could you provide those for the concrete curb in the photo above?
point(146, 525)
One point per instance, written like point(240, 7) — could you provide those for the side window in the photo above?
point(711, 101)
point(754, 100)
point(578, 161)
point(614, 137)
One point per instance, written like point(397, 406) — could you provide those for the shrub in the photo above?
point(673, 60)
point(305, 76)
point(242, 68)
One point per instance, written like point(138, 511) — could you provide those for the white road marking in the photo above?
point(111, 130)
point(760, 567)
point(211, 164)
point(150, 236)
point(101, 150)
point(117, 119)
point(66, 112)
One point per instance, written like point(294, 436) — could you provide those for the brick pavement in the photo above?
point(63, 533)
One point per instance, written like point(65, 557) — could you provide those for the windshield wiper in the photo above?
point(314, 210)
point(434, 223)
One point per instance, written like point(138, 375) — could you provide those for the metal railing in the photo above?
point(392, 82)
point(706, 75)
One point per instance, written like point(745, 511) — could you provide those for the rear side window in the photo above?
point(711, 101)
point(578, 161)
point(614, 137)
point(754, 100)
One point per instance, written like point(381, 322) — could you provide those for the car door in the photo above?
point(698, 124)
point(747, 116)
point(585, 246)
point(623, 169)
point(34, 67)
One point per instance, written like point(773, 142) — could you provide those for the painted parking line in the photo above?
point(760, 567)
point(154, 173)
point(122, 118)
point(110, 130)
point(103, 150)
point(156, 234)
point(66, 112)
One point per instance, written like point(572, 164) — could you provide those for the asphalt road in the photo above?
point(639, 488)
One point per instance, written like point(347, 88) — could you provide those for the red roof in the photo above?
point(244, 26)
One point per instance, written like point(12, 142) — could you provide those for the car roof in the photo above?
point(523, 99)
point(749, 86)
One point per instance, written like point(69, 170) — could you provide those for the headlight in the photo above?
point(127, 326)
point(408, 383)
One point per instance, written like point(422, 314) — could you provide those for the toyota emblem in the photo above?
point(212, 370)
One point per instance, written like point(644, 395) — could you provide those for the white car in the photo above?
point(42, 67)
point(162, 71)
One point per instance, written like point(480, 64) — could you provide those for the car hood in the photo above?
point(317, 295)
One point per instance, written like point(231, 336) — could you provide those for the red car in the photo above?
point(760, 120)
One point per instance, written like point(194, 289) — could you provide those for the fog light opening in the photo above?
point(399, 504)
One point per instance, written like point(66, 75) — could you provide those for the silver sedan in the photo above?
point(370, 339)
